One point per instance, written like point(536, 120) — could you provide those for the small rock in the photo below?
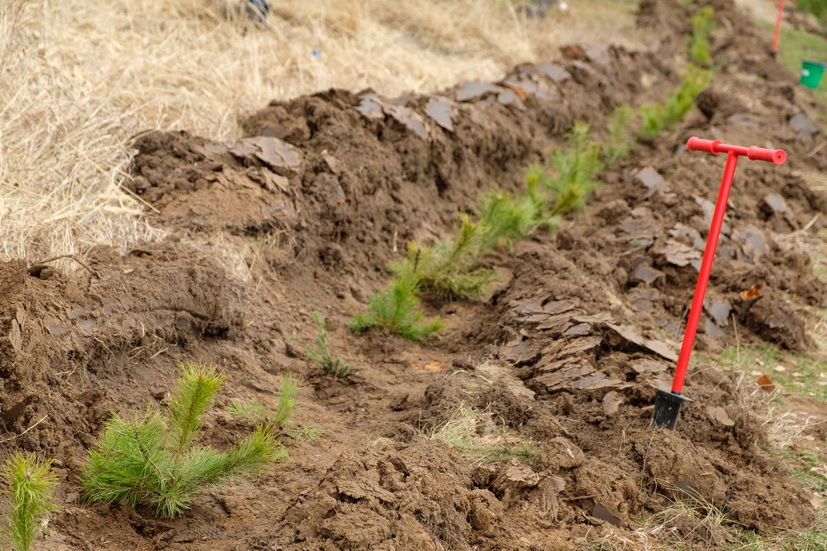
point(611, 403)
point(441, 112)
point(719, 415)
point(775, 203)
point(803, 126)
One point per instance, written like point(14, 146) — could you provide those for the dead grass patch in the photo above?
point(79, 79)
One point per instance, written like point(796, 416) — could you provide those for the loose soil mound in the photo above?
point(323, 191)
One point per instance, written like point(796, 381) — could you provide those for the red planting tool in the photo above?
point(778, 17)
point(668, 404)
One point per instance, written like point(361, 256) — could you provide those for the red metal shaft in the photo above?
point(778, 25)
point(706, 269)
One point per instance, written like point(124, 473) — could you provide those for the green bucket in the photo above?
point(811, 72)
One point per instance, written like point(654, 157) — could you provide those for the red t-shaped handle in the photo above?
point(777, 156)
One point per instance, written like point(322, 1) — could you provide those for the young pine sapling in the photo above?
point(396, 311)
point(321, 355)
point(29, 484)
point(155, 460)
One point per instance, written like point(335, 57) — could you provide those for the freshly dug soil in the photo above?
point(321, 193)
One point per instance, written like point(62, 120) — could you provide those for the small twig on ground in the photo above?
point(24, 432)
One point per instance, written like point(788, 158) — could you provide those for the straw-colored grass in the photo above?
point(78, 78)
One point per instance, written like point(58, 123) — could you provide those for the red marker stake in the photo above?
point(778, 24)
point(668, 404)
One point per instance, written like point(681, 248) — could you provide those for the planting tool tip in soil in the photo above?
point(668, 404)
point(667, 407)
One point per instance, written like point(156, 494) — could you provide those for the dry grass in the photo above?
point(77, 79)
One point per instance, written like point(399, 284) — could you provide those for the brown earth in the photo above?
point(566, 353)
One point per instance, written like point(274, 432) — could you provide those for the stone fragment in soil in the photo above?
point(803, 126)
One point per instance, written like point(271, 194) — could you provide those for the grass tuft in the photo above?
point(460, 432)
point(321, 355)
point(142, 461)
point(29, 484)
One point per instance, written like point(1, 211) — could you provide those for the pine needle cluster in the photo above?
point(450, 268)
point(396, 310)
point(703, 23)
point(155, 460)
point(255, 413)
point(620, 139)
point(322, 356)
point(576, 167)
point(657, 118)
point(29, 484)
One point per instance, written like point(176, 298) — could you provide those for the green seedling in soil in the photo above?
point(576, 168)
point(703, 23)
point(29, 484)
point(155, 459)
point(396, 311)
point(450, 268)
point(460, 432)
point(321, 355)
point(255, 413)
point(507, 218)
point(620, 140)
point(657, 118)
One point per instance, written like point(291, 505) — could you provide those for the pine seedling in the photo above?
point(576, 168)
point(620, 140)
point(321, 355)
point(255, 413)
point(29, 484)
point(450, 268)
point(154, 460)
point(395, 311)
point(652, 122)
point(703, 23)
point(287, 402)
point(506, 218)
point(194, 395)
point(681, 100)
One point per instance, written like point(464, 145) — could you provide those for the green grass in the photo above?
point(29, 485)
point(154, 459)
point(795, 46)
point(801, 375)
